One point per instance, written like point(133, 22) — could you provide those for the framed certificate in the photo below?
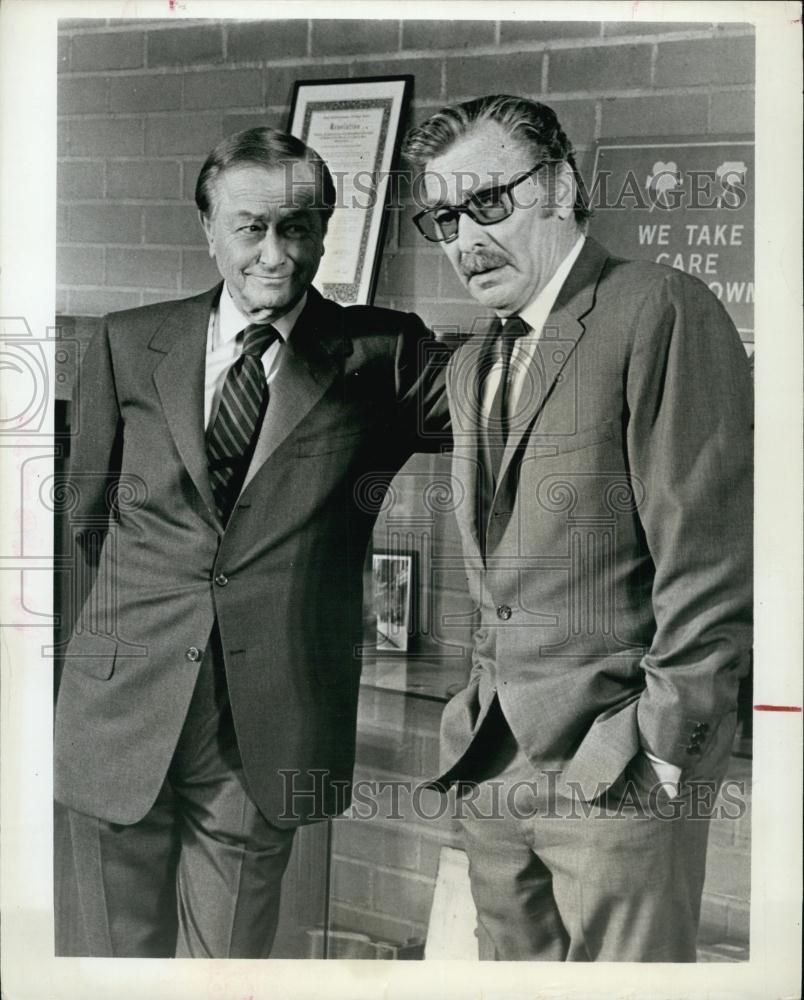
point(354, 125)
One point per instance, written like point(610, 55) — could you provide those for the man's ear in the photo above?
point(564, 193)
point(206, 222)
point(324, 227)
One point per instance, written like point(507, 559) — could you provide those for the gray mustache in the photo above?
point(474, 263)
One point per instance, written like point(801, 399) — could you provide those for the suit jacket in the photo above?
point(358, 389)
point(615, 584)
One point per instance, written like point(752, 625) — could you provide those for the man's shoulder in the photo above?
point(641, 297)
point(372, 331)
point(639, 279)
point(376, 321)
point(149, 316)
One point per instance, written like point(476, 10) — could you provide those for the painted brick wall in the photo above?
point(384, 869)
point(140, 104)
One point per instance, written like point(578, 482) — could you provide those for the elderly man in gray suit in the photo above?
point(602, 427)
point(208, 701)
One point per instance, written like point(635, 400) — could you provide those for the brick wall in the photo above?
point(140, 104)
point(384, 869)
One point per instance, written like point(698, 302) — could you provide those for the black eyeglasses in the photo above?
point(492, 204)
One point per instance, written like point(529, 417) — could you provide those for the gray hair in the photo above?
point(533, 124)
point(264, 147)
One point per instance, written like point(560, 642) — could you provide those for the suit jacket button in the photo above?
point(221, 580)
point(504, 612)
point(693, 749)
point(193, 654)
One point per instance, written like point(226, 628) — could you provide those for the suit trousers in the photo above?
point(200, 875)
point(554, 879)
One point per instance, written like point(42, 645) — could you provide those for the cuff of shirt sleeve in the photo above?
point(668, 773)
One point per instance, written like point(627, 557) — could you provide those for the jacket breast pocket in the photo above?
point(328, 443)
point(587, 437)
point(93, 655)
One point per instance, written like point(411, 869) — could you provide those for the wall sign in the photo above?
point(685, 202)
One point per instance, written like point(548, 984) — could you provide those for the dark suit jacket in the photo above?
point(615, 587)
point(354, 395)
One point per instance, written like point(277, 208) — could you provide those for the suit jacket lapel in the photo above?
point(560, 336)
point(308, 366)
point(179, 380)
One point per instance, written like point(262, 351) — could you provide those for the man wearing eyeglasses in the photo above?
point(602, 426)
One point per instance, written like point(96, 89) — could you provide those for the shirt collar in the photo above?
point(231, 321)
point(538, 309)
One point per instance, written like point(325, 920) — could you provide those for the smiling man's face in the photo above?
point(506, 264)
point(265, 235)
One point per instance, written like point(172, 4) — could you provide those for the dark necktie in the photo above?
point(498, 418)
point(233, 433)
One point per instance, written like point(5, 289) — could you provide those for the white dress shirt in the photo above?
point(535, 315)
point(224, 347)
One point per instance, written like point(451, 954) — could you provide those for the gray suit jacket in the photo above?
point(355, 394)
point(615, 586)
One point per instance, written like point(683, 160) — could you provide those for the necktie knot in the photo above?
point(257, 338)
point(513, 328)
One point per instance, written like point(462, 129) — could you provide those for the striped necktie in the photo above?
point(233, 433)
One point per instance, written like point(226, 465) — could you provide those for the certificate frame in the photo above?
point(354, 124)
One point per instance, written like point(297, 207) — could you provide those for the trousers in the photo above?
point(200, 875)
point(617, 880)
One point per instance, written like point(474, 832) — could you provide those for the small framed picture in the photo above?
point(354, 125)
point(392, 578)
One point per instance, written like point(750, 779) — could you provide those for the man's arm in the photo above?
point(96, 446)
point(690, 446)
point(421, 365)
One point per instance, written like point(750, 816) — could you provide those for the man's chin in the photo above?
point(265, 304)
point(493, 295)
